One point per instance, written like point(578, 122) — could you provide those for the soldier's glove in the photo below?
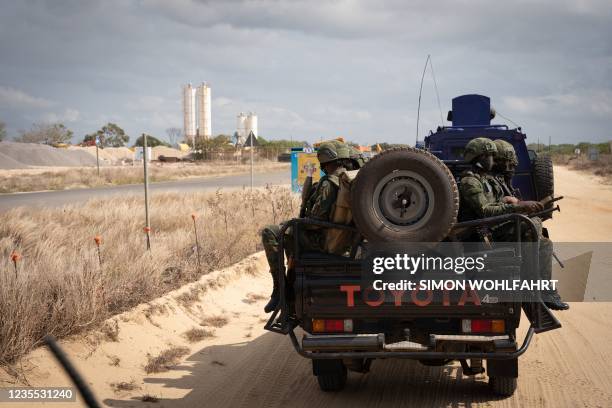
point(530, 206)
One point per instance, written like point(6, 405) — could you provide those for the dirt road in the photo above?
point(242, 365)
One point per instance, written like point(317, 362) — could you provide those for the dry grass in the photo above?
point(194, 335)
point(253, 298)
point(217, 321)
point(601, 167)
point(165, 360)
point(110, 330)
point(114, 360)
point(60, 288)
point(149, 398)
point(12, 181)
point(124, 386)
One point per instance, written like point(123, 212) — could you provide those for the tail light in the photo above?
point(332, 325)
point(483, 326)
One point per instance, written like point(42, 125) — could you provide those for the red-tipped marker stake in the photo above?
point(15, 257)
point(98, 241)
point(147, 231)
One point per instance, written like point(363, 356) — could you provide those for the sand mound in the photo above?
point(23, 155)
point(111, 155)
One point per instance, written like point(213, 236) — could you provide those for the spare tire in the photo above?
point(543, 177)
point(404, 194)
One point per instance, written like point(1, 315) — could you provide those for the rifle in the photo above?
point(546, 201)
point(305, 194)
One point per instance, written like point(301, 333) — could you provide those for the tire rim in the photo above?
point(403, 200)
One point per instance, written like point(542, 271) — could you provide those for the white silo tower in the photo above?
point(189, 113)
point(250, 124)
point(204, 111)
point(241, 127)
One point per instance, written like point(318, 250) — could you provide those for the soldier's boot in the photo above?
point(551, 298)
point(275, 296)
point(269, 238)
point(553, 301)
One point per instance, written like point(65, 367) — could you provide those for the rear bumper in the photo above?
point(373, 346)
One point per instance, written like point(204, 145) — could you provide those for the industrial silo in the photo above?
point(240, 127)
point(250, 124)
point(204, 111)
point(189, 113)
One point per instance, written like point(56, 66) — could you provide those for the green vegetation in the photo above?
point(280, 144)
point(152, 141)
point(111, 135)
point(2, 130)
point(45, 133)
point(567, 148)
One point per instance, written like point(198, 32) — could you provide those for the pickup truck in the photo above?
point(404, 195)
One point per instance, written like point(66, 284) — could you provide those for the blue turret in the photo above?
point(471, 110)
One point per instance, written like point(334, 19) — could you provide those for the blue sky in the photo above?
point(309, 69)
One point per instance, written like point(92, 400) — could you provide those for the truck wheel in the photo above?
point(543, 178)
point(332, 380)
point(404, 194)
point(503, 386)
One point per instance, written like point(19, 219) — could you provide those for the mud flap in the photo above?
point(540, 317)
point(502, 368)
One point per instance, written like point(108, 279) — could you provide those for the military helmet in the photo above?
point(357, 156)
point(341, 148)
point(505, 151)
point(477, 147)
point(327, 153)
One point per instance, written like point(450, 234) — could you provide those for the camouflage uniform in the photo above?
point(505, 156)
point(319, 206)
point(479, 197)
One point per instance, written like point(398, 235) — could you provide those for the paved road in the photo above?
point(59, 198)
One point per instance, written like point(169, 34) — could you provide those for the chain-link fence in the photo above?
point(242, 155)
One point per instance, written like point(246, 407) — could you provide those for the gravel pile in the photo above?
point(23, 155)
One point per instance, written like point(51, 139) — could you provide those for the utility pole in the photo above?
point(146, 190)
point(97, 156)
point(252, 148)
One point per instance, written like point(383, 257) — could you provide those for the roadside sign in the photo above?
point(300, 161)
point(251, 140)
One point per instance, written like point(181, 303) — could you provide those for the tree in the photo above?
point(206, 146)
point(151, 142)
point(2, 130)
point(174, 135)
point(110, 135)
point(45, 133)
point(280, 144)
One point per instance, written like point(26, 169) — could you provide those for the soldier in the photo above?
point(503, 170)
point(505, 162)
point(319, 205)
point(477, 193)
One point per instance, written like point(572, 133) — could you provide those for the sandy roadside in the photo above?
point(245, 366)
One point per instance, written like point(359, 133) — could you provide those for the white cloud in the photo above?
point(594, 102)
point(15, 98)
point(145, 103)
point(69, 115)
